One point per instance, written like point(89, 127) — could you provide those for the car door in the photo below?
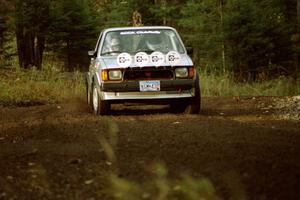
point(94, 59)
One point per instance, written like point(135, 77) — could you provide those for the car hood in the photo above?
point(110, 62)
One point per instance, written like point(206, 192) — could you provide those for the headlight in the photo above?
point(115, 75)
point(181, 72)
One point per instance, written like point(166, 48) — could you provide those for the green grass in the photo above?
point(31, 87)
point(215, 84)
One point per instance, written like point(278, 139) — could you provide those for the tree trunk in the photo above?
point(39, 49)
point(68, 56)
point(222, 43)
point(30, 48)
point(20, 44)
point(2, 29)
point(30, 35)
point(297, 39)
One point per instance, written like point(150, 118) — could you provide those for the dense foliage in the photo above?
point(248, 37)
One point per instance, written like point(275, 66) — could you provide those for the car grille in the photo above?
point(148, 74)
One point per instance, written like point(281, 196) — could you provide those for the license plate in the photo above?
point(149, 86)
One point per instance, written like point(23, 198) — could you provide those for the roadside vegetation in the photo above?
point(34, 87)
point(225, 84)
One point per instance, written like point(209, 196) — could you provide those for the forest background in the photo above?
point(252, 39)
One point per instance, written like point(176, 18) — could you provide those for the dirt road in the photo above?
point(58, 151)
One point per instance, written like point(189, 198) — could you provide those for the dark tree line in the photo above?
point(244, 36)
point(32, 21)
point(6, 28)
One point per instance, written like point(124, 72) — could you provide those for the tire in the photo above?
point(100, 107)
point(88, 95)
point(195, 106)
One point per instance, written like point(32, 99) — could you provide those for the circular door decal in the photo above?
point(173, 58)
point(124, 60)
point(141, 59)
point(157, 58)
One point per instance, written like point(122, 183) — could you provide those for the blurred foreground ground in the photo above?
point(247, 147)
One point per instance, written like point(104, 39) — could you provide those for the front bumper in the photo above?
point(170, 89)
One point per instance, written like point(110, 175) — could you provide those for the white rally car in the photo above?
point(145, 65)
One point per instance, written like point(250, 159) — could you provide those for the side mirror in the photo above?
point(92, 53)
point(189, 51)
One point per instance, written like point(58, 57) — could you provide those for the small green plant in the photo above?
point(161, 187)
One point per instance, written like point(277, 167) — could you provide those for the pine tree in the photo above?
point(72, 32)
point(202, 28)
point(246, 36)
point(6, 30)
point(165, 12)
point(257, 35)
point(114, 13)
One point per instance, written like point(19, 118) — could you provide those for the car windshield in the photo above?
point(133, 41)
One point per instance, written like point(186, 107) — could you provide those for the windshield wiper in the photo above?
point(148, 51)
point(110, 52)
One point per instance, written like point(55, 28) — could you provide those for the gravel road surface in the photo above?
point(62, 151)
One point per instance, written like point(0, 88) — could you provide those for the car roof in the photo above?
point(137, 28)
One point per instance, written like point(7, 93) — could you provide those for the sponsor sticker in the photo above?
point(139, 32)
point(157, 58)
point(141, 59)
point(124, 60)
point(173, 58)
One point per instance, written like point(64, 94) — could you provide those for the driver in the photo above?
point(115, 45)
point(112, 44)
point(154, 42)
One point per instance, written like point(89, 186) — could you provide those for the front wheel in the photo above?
point(88, 96)
point(195, 106)
point(100, 107)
